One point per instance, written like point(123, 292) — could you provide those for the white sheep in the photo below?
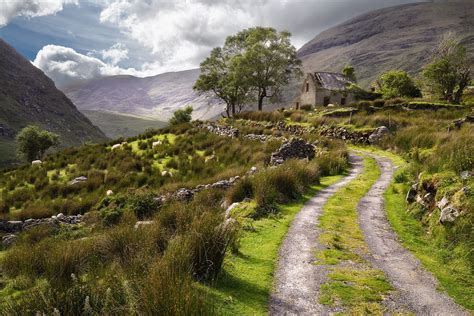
point(116, 146)
point(36, 162)
point(110, 192)
point(157, 143)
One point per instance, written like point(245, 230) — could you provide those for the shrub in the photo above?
point(243, 189)
point(143, 205)
point(306, 107)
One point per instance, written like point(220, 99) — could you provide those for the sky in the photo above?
point(72, 40)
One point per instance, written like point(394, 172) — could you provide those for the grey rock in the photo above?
point(141, 224)
point(442, 203)
point(449, 214)
point(296, 148)
point(411, 194)
point(78, 180)
point(230, 208)
point(378, 134)
point(8, 240)
point(466, 174)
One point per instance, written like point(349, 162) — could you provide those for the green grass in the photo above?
point(353, 283)
point(456, 279)
point(116, 125)
point(247, 278)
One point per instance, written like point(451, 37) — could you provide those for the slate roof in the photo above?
point(332, 81)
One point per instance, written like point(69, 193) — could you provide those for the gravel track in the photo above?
point(297, 278)
point(415, 286)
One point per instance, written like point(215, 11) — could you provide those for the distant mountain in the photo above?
point(154, 97)
point(28, 96)
point(119, 125)
point(399, 37)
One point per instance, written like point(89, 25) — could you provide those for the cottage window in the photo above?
point(343, 101)
point(307, 87)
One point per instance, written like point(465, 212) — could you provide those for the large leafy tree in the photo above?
point(397, 83)
point(253, 65)
point(33, 142)
point(449, 72)
point(182, 116)
point(221, 74)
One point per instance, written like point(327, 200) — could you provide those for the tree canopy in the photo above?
point(181, 116)
point(449, 72)
point(33, 142)
point(396, 84)
point(349, 72)
point(252, 65)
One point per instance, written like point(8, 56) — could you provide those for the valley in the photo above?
point(337, 179)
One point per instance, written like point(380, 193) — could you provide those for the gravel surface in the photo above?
point(297, 278)
point(415, 286)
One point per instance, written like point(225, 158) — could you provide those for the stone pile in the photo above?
point(427, 201)
point(294, 148)
point(184, 194)
point(222, 130)
point(378, 134)
point(14, 227)
point(356, 137)
point(263, 138)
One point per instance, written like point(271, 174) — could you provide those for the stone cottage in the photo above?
point(324, 88)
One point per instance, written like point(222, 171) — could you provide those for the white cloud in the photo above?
point(66, 66)
point(30, 8)
point(115, 53)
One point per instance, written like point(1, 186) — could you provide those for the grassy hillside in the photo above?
point(118, 125)
point(400, 37)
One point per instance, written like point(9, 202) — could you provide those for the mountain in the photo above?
point(399, 37)
point(154, 97)
point(116, 125)
point(28, 96)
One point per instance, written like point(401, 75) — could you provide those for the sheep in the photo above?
point(116, 146)
point(157, 143)
point(36, 162)
point(110, 193)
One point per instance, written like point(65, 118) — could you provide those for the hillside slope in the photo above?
point(400, 37)
point(28, 96)
point(155, 97)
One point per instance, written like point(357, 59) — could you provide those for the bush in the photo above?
point(143, 205)
point(243, 189)
point(306, 107)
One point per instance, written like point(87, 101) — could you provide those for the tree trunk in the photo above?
point(260, 102)
point(233, 110)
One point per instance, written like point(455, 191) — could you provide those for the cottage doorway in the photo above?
point(326, 101)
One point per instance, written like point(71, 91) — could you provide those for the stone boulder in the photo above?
point(449, 214)
point(8, 240)
point(411, 194)
point(296, 148)
point(378, 134)
point(78, 180)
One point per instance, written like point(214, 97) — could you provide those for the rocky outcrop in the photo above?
point(449, 214)
point(54, 221)
point(296, 148)
point(460, 122)
point(378, 134)
point(77, 180)
point(356, 137)
point(221, 130)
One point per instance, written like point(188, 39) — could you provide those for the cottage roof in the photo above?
point(332, 81)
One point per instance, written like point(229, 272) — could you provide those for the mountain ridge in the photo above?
point(28, 96)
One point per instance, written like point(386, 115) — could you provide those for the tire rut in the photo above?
point(416, 288)
point(297, 278)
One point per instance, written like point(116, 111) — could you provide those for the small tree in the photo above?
point(396, 84)
point(33, 142)
point(349, 72)
point(449, 72)
point(181, 116)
